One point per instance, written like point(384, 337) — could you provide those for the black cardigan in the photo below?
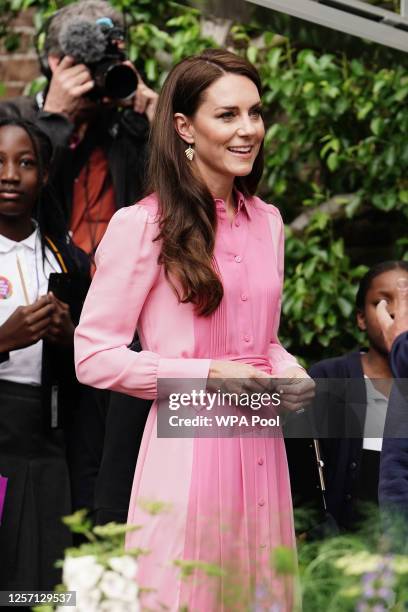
point(342, 449)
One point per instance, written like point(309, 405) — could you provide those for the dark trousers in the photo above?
point(125, 422)
point(105, 436)
point(32, 457)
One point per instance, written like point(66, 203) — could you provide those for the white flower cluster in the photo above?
point(99, 588)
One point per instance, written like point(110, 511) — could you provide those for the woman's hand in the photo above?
point(296, 388)
point(61, 328)
point(27, 325)
point(238, 378)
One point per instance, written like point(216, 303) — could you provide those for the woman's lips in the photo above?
point(10, 195)
point(243, 152)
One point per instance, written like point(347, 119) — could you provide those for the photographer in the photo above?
point(99, 163)
point(100, 141)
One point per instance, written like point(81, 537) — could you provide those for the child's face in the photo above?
point(19, 176)
point(383, 287)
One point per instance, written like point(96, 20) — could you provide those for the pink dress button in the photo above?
point(260, 461)
point(261, 502)
point(238, 258)
point(246, 338)
point(237, 224)
point(244, 297)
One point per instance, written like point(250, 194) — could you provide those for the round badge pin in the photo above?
point(6, 288)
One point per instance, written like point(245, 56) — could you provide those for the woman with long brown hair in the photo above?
point(196, 267)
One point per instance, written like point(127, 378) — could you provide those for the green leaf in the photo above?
point(365, 110)
point(337, 248)
point(283, 560)
point(390, 156)
point(385, 201)
point(308, 87)
point(345, 306)
point(401, 94)
point(309, 268)
point(376, 126)
point(252, 53)
point(357, 67)
point(313, 107)
point(353, 205)
point(273, 58)
point(333, 162)
point(151, 69)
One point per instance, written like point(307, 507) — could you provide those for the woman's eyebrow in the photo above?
point(226, 107)
point(256, 105)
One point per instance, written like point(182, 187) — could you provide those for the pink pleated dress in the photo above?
point(227, 501)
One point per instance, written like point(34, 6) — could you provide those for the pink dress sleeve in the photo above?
point(279, 357)
point(126, 270)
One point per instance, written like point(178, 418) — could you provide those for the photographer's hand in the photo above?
point(145, 100)
point(68, 85)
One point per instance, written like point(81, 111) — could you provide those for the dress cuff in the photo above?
point(183, 368)
point(280, 366)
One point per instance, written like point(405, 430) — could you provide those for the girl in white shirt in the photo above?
point(36, 335)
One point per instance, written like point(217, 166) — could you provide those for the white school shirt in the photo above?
point(377, 405)
point(24, 365)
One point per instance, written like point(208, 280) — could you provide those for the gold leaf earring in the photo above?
point(189, 153)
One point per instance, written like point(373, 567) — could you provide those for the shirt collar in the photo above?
point(7, 245)
point(372, 393)
point(243, 204)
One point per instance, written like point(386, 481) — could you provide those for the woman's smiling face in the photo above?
point(227, 129)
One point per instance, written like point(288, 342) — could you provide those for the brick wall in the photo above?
point(19, 68)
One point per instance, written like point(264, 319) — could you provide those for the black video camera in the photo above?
point(99, 45)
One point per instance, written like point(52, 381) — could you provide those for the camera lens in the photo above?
point(120, 81)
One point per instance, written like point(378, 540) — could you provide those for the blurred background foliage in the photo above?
point(336, 150)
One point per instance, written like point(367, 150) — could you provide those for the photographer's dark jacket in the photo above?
point(121, 133)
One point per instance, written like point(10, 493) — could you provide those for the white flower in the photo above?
point(117, 587)
point(126, 566)
point(88, 600)
point(118, 606)
point(81, 573)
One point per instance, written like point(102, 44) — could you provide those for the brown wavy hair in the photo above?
point(187, 211)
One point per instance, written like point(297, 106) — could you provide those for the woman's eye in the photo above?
point(256, 112)
point(28, 163)
point(227, 116)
